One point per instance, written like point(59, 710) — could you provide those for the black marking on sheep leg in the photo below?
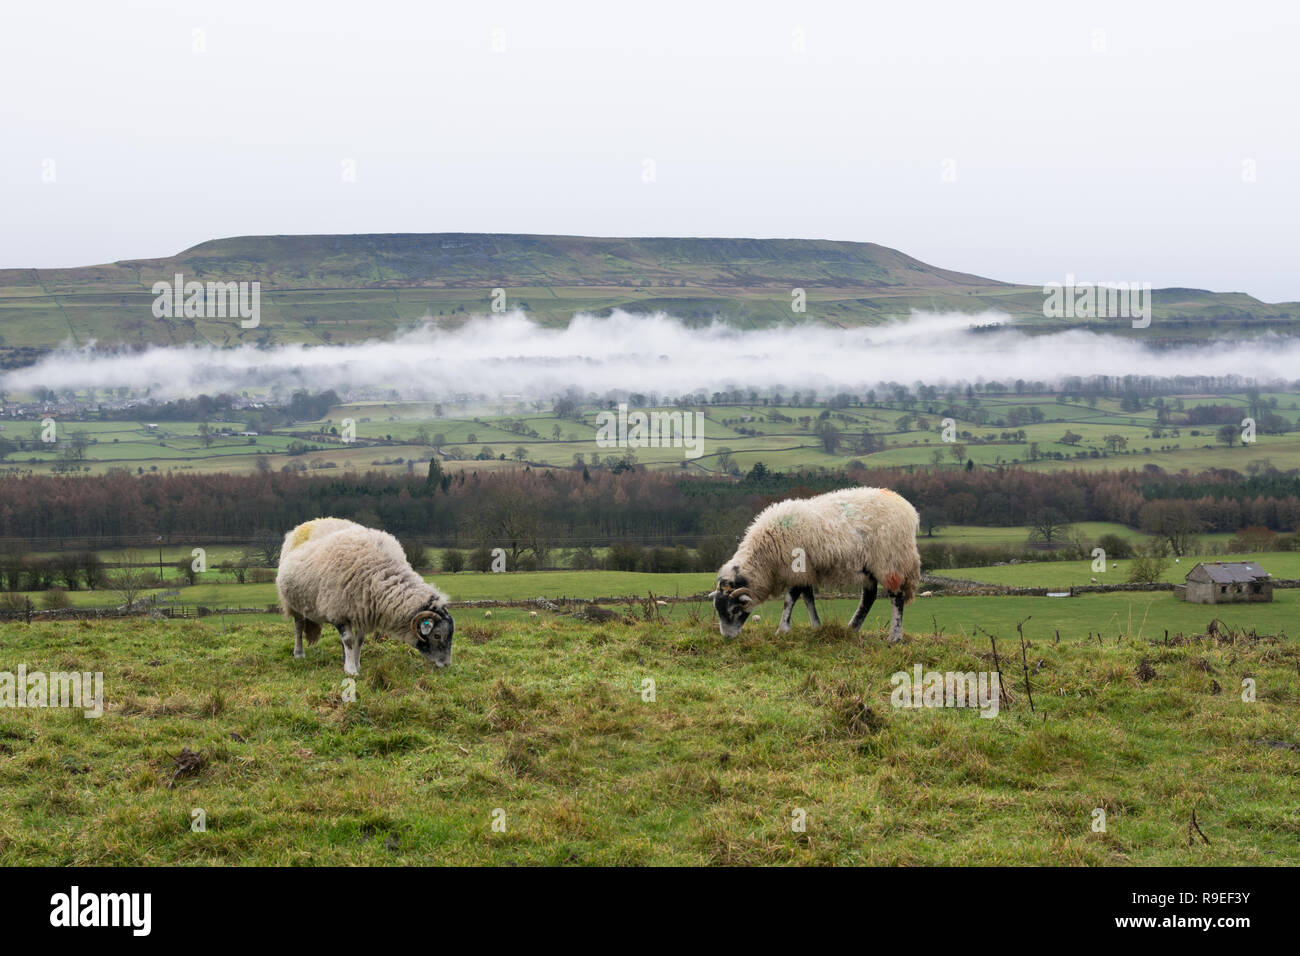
point(812, 607)
point(790, 597)
point(868, 599)
point(351, 648)
point(896, 625)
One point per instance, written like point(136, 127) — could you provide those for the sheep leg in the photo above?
point(351, 648)
point(868, 599)
point(812, 607)
point(303, 628)
point(896, 625)
point(790, 596)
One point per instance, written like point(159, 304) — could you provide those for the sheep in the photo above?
point(334, 571)
point(854, 537)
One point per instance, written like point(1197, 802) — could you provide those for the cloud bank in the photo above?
point(510, 355)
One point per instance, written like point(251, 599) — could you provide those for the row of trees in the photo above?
point(623, 556)
point(537, 509)
point(71, 571)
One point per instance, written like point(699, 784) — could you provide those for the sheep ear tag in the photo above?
point(426, 627)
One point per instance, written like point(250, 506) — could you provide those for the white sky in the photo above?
point(1119, 164)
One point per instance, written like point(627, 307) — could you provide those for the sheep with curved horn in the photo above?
point(855, 537)
point(334, 571)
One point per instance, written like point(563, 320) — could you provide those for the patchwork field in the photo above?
point(992, 429)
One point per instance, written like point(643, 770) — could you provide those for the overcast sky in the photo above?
point(1021, 141)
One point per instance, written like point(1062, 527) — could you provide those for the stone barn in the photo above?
point(1227, 582)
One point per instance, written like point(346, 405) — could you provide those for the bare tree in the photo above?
point(509, 519)
point(92, 569)
point(1173, 522)
point(128, 582)
point(1048, 526)
point(265, 548)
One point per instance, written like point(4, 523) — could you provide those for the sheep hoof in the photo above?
point(299, 654)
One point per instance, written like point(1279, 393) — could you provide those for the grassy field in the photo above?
point(993, 430)
point(544, 726)
point(216, 589)
point(948, 534)
point(1050, 574)
point(1018, 537)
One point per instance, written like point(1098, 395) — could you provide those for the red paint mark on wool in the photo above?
point(893, 581)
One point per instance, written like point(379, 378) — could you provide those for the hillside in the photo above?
point(656, 742)
point(332, 289)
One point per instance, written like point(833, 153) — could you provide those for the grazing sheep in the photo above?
point(532, 614)
point(487, 613)
point(856, 537)
point(337, 572)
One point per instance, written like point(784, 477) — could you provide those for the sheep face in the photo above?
point(430, 634)
point(734, 603)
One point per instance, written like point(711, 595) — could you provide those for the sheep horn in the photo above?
point(739, 593)
point(423, 615)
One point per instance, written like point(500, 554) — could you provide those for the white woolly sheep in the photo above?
point(856, 537)
point(334, 571)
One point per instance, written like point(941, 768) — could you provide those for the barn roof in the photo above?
point(1231, 572)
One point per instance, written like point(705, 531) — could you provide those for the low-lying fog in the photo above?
point(511, 355)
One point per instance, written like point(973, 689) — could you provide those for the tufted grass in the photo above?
point(543, 719)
